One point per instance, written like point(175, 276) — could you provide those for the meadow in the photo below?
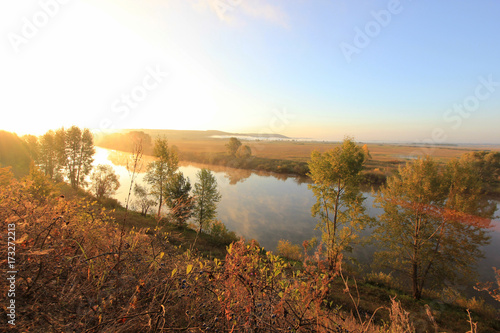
point(300, 151)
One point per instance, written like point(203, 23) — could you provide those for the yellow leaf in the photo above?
point(22, 239)
point(189, 268)
point(174, 271)
point(41, 252)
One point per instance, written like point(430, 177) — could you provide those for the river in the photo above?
point(269, 207)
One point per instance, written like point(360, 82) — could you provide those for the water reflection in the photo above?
point(235, 176)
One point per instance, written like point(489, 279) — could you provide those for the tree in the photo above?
point(49, 156)
point(244, 152)
point(487, 166)
point(160, 171)
point(232, 146)
point(134, 166)
point(48, 159)
point(339, 204)
point(143, 138)
point(33, 146)
point(367, 151)
point(79, 152)
point(427, 232)
point(178, 199)
point(60, 147)
point(13, 152)
point(206, 197)
point(466, 188)
point(142, 195)
point(104, 181)
point(38, 185)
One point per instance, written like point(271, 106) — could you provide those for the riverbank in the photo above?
point(287, 156)
point(374, 175)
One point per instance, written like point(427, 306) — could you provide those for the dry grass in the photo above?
point(301, 151)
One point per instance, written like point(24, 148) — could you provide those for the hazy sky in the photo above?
point(377, 70)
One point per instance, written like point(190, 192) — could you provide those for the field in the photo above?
point(300, 151)
point(194, 142)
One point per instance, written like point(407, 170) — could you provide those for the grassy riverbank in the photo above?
point(369, 295)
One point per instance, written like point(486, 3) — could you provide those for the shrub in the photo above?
point(289, 251)
point(381, 279)
point(478, 306)
point(220, 232)
point(374, 178)
point(400, 319)
point(257, 293)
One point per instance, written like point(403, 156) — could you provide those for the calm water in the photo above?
point(269, 207)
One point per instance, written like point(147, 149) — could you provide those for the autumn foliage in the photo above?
point(71, 276)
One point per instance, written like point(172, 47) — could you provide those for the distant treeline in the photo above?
point(14, 153)
point(125, 141)
point(251, 162)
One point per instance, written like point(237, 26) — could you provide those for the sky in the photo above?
point(393, 71)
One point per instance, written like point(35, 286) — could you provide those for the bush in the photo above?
point(220, 232)
point(381, 279)
point(289, 251)
point(374, 178)
point(256, 294)
point(478, 306)
point(110, 203)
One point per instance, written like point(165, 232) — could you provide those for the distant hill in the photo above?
point(199, 135)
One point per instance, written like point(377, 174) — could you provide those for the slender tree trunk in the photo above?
point(80, 162)
point(73, 170)
point(334, 259)
point(161, 196)
point(132, 170)
point(330, 245)
point(202, 206)
point(416, 291)
point(159, 206)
